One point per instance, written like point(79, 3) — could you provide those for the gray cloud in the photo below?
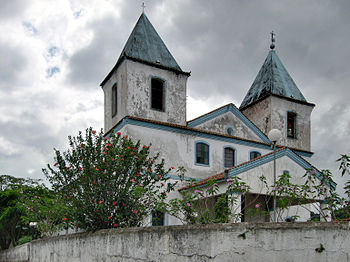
point(13, 8)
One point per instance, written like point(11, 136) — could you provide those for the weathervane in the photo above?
point(272, 46)
point(143, 7)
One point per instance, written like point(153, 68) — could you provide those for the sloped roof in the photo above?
point(245, 166)
point(144, 45)
point(272, 79)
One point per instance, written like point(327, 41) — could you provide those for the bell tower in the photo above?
point(274, 101)
point(146, 81)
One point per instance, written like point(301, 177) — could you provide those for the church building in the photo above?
point(145, 98)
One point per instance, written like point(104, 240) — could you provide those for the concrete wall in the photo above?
point(134, 94)
point(222, 242)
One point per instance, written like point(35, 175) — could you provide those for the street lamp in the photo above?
point(33, 225)
point(274, 135)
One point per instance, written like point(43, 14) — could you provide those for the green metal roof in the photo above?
point(272, 79)
point(145, 44)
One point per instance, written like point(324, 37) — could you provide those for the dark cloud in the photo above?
point(12, 64)
point(13, 8)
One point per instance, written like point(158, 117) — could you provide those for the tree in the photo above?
point(108, 181)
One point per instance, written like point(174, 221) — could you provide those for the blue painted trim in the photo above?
point(268, 158)
point(186, 178)
point(251, 151)
point(196, 133)
point(234, 110)
point(234, 155)
point(233, 130)
point(164, 93)
point(195, 153)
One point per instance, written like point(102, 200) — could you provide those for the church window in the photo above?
point(157, 94)
point(229, 157)
point(158, 218)
point(254, 154)
point(114, 99)
point(202, 153)
point(229, 131)
point(291, 125)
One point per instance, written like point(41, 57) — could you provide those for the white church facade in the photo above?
point(145, 98)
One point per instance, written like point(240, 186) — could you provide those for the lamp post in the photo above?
point(274, 135)
point(32, 225)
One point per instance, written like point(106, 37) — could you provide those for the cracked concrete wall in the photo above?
point(134, 86)
point(253, 242)
point(271, 113)
point(221, 123)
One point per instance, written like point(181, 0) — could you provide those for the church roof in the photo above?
point(272, 79)
point(144, 43)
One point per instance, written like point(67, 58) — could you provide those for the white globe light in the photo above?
point(274, 135)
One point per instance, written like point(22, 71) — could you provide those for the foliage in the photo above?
point(24, 239)
point(208, 205)
point(108, 181)
point(22, 201)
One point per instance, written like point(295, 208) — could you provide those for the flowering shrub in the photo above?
point(108, 182)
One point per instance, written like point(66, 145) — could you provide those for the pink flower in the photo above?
point(93, 131)
point(188, 204)
point(145, 147)
point(257, 206)
point(94, 201)
point(35, 196)
point(65, 219)
point(55, 164)
point(97, 169)
point(172, 167)
point(80, 168)
point(94, 182)
point(125, 137)
point(101, 202)
point(159, 176)
point(134, 211)
point(67, 167)
point(106, 138)
point(229, 180)
point(114, 203)
point(118, 133)
point(115, 225)
point(129, 147)
point(313, 171)
point(109, 217)
point(132, 180)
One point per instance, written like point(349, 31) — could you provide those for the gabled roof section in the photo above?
point(229, 108)
point(243, 167)
point(145, 45)
point(272, 79)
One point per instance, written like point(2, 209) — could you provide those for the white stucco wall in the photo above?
point(134, 86)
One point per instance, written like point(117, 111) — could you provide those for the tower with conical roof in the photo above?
point(146, 81)
point(275, 101)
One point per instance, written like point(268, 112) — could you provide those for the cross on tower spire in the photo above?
point(272, 46)
point(143, 7)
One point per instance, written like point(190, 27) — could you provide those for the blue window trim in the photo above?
point(166, 219)
point(195, 153)
point(251, 151)
point(164, 93)
point(234, 155)
point(226, 130)
point(296, 125)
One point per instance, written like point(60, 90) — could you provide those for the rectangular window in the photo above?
point(254, 154)
point(158, 218)
point(114, 99)
point(202, 153)
point(229, 157)
point(291, 125)
point(157, 94)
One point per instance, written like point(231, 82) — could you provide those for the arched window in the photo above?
point(254, 154)
point(114, 100)
point(157, 94)
point(229, 157)
point(229, 131)
point(202, 153)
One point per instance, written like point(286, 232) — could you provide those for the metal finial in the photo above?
point(272, 46)
point(143, 7)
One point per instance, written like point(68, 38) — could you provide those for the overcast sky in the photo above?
point(54, 55)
